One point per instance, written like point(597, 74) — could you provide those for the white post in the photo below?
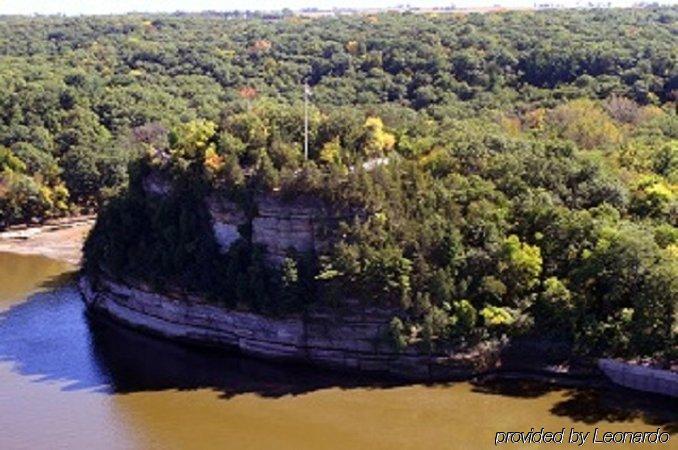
point(305, 121)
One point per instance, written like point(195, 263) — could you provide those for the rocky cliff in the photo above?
point(227, 220)
point(355, 337)
point(300, 225)
point(352, 340)
point(279, 225)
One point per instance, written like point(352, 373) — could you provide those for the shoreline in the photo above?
point(63, 239)
point(352, 342)
point(261, 337)
point(59, 239)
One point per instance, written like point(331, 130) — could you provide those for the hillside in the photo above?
point(482, 175)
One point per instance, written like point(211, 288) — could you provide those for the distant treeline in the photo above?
point(73, 89)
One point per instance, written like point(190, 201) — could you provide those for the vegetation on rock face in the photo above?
point(515, 173)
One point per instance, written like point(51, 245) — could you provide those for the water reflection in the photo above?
point(70, 381)
point(136, 362)
point(50, 338)
point(47, 338)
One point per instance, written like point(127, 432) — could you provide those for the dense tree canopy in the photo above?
point(516, 172)
point(72, 90)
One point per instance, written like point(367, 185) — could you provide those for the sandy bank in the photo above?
point(60, 240)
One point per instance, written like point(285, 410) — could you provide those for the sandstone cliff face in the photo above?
point(355, 340)
point(277, 225)
point(280, 226)
point(227, 217)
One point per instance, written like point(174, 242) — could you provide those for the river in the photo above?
point(67, 382)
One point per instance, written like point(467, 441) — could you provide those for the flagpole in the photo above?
point(305, 121)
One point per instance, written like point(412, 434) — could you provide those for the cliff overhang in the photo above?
point(345, 340)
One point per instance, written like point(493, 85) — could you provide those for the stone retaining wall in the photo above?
point(641, 378)
point(353, 341)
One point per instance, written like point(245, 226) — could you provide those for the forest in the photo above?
point(527, 176)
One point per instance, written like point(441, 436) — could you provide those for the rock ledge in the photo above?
point(352, 341)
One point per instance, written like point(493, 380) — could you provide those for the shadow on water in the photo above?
point(591, 406)
point(59, 281)
point(49, 338)
point(135, 362)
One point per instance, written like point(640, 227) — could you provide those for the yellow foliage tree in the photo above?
point(352, 47)
point(192, 140)
point(377, 141)
point(511, 125)
point(213, 162)
point(536, 118)
point(586, 123)
point(330, 154)
point(9, 161)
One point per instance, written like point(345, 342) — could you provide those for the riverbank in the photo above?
point(59, 239)
point(63, 372)
point(63, 239)
point(348, 341)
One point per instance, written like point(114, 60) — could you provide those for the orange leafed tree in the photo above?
point(248, 93)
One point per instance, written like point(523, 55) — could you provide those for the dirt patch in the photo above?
point(62, 240)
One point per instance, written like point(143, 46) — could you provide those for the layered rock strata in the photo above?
point(298, 225)
point(276, 224)
point(279, 226)
point(648, 379)
point(326, 337)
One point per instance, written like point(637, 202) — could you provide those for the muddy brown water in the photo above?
point(71, 382)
